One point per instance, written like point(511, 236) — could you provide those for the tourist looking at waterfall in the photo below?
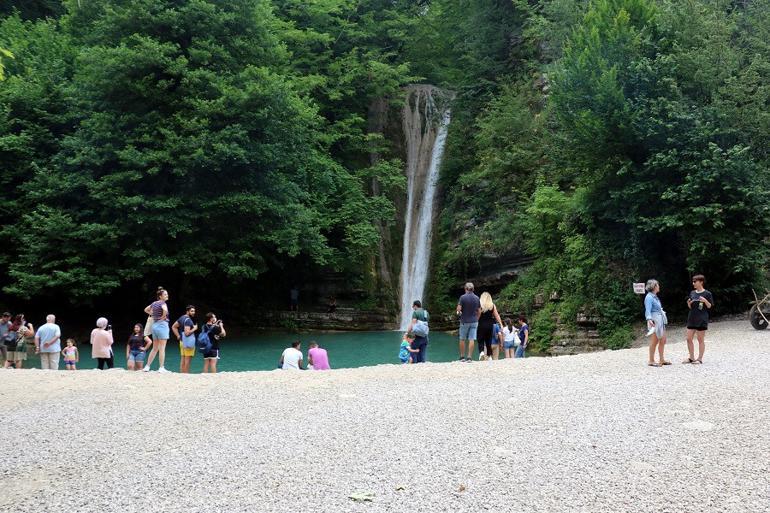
point(291, 359)
point(420, 342)
point(317, 357)
point(469, 310)
point(485, 327)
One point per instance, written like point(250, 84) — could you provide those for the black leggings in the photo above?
point(487, 344)
point(109, 361)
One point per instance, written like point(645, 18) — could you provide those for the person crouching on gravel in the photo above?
point(699, 302)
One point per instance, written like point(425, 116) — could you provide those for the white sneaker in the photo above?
point(163, 369)
point(482, 356)
point(146, 368)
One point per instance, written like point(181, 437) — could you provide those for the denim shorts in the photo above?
point(136, 356)
point(660, 323)
point(509, 345)
point(160, 330)
point(468, 330)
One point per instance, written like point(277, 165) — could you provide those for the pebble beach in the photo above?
point(588, 433)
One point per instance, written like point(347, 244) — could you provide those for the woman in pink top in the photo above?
point(318, 359)
point(101, 344)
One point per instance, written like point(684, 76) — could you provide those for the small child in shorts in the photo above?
point(71, 356)
point(405, 353)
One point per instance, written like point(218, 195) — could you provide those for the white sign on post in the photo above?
point(639, 288)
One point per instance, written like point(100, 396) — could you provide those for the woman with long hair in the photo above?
point(160, 330)
point(510, 339)
point(136, 348)
point(485, 332)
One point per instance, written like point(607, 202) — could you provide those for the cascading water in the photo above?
point(425, 127)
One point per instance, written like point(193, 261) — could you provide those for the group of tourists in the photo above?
point(479, 321)
point(699, 302)
point(479, 318)
point(18, 334)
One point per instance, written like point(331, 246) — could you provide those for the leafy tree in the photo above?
point(32, 9)
point(193, 154)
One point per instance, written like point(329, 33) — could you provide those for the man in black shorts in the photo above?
point(699, 302)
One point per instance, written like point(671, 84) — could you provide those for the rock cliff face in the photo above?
point(344, 319)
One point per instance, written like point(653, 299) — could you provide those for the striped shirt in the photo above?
point(157, 310)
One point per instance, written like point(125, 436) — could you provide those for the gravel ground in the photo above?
point(595, 432)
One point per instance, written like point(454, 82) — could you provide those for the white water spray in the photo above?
point(425, 128)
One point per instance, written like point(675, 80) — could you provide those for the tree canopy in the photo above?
point(192, 142)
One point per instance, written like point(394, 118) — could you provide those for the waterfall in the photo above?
point(425, 127)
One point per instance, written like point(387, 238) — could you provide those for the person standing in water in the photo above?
point(699, 302)
point(160, 331)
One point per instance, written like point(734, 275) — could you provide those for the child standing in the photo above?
point(510, 339)
point(405, 353)
point(523, 336)
point(71, 356)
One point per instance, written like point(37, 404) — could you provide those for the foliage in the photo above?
point(198, 141)
point(32, 9)
point(188, 148)
point(645, 156)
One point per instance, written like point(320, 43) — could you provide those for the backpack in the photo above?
point(420, 329)
point(188, 342)
point(9, 340)
point(204, 342)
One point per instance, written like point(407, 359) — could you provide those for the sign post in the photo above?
point(639, 288)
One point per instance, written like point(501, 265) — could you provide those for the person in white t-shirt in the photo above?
point(292, 357)
point(510, 339)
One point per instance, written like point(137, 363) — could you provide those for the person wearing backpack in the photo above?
point(184, 330)
point(419, 326)
point(25, 334)
point(213, 331)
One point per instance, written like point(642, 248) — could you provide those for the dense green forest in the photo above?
point(224, 150)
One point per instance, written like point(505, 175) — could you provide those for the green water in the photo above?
point(262, 351)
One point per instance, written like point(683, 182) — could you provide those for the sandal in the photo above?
point(653, 364)
point(664, 362)
point(689, 360)
point(697, 361)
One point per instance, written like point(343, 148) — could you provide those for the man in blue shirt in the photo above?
point(48, 343)
point(469, 310)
